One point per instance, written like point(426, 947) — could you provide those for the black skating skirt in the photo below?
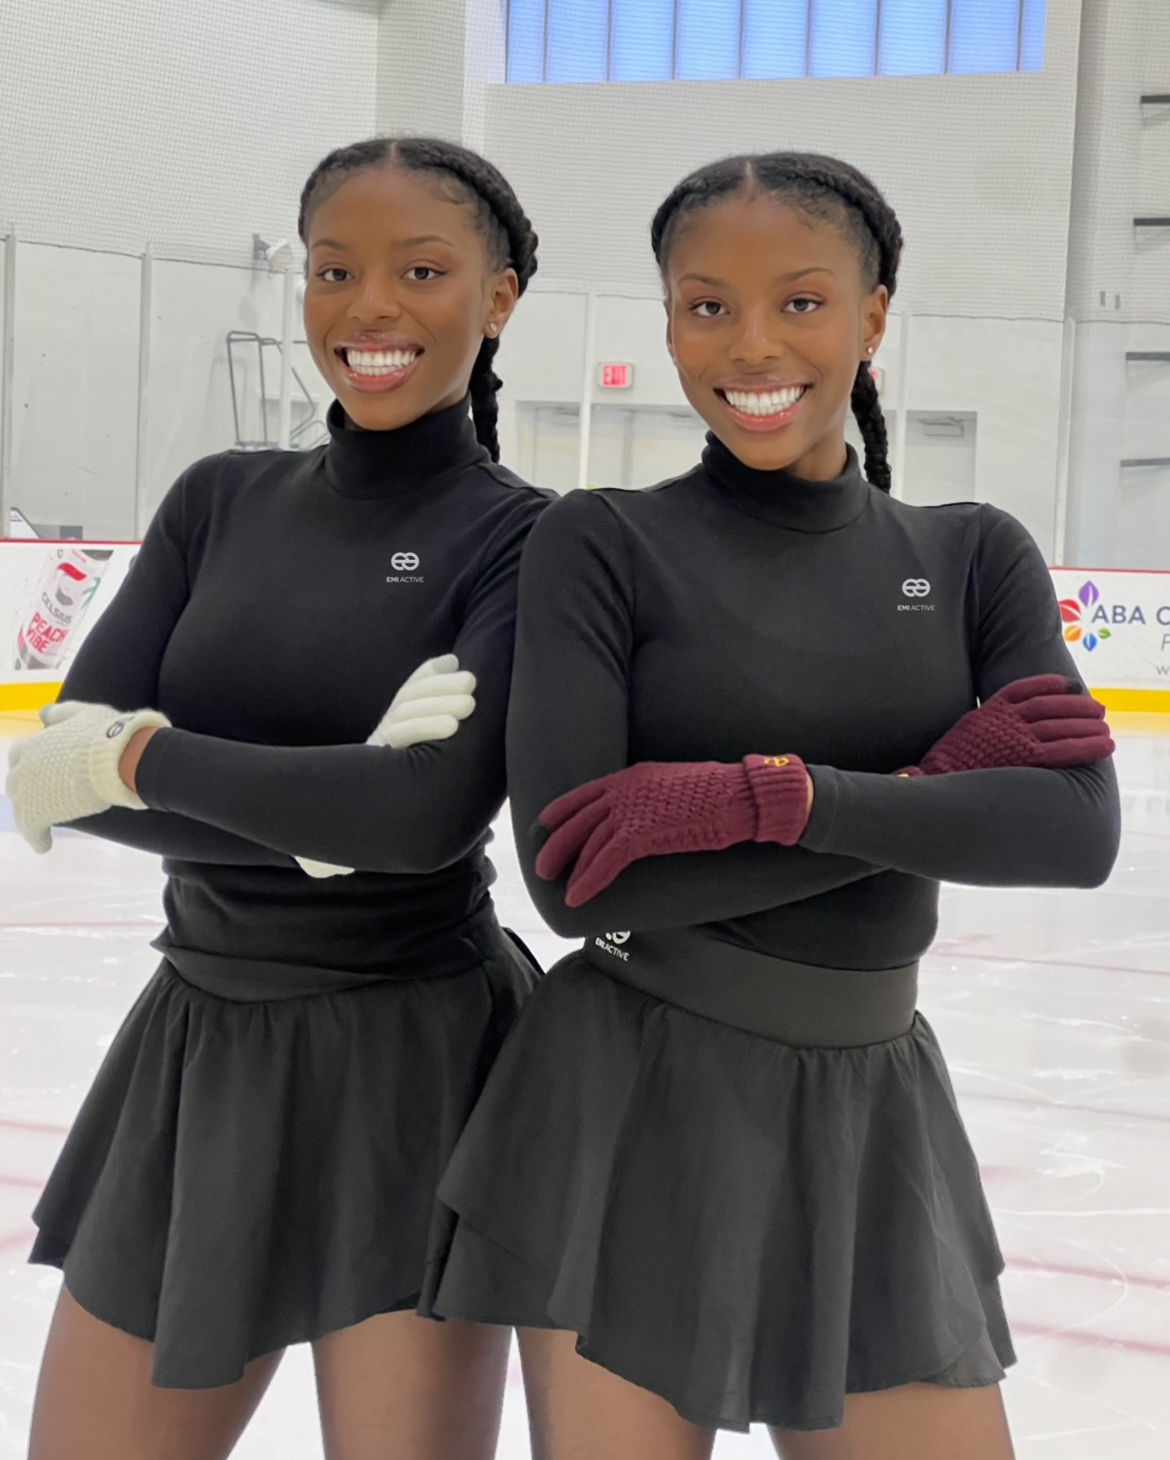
point(744, 1183)
point(256, 1162)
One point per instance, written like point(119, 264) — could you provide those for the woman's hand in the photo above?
point(659, 808)
point(72, 768)
point(1045, 722)
point(430, 705)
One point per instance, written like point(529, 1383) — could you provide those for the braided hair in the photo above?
point(832, 192)
point(511, 242)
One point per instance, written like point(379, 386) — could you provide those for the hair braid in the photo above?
point(871, 423)
point(830, 190)
point(509, 235)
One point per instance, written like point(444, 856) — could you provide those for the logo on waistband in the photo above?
point(608, 944)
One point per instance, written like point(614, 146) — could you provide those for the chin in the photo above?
point(370, 413)
point(764, 453)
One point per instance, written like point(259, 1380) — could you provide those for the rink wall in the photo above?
point(1116, 623)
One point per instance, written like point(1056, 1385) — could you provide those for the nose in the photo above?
point(375, 299)
point(755, 342)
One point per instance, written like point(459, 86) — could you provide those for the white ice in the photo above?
point(1054, 1011)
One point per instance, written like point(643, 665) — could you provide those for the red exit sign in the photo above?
point(615, 377)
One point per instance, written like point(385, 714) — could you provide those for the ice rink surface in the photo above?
point(1053, 1009)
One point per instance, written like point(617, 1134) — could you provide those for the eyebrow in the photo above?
point(780, 279)
point(406, 242)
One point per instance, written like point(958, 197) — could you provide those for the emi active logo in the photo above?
point(1088, 621)
point(611, 943)
point(404, 565)
point(915, 588)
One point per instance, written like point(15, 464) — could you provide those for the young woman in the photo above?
point(255, 1165)
point(719, 1161)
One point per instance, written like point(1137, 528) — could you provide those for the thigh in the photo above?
point(580, 1411)
point(913, 1422)
point(95, 1399)
point(401, 1385)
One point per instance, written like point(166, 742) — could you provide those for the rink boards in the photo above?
point(1116, 622)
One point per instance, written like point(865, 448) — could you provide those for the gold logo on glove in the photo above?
point(776, 760)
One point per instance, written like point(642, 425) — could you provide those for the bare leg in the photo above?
point(914, 1422)
point(580, 1411)
point(95, 1400)
point(401, 1387)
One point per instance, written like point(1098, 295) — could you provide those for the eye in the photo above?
point(416, 270)
point(708, 308)
point(803, 305)
point(326, 274)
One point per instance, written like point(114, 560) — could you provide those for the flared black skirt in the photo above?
point(248, 1173)
point(750, 1229)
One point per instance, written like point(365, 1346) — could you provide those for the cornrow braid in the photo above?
point(831, 191)
point(509, 236)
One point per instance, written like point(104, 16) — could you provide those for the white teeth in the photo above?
point(378, 362)
point(764, 402)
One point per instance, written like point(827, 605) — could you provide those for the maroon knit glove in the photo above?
point(656, 808)
point(1044, 722)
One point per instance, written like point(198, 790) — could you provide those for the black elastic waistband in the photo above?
point(257, 980)
point(793, 1003)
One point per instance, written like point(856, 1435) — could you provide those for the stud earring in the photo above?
point(869, 349)
point(493, 328)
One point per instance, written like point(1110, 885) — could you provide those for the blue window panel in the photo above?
point(642, 40)
point(578, 40)
point(1032, 50)
point(708, 40)
point(525, 41)
point(984, 36)
point(844, 38)
point(913, 38)
point(775, 38)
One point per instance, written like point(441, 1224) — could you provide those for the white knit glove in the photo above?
point(429, 706)
point(70, 769)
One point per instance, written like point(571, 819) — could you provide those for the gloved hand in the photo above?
point(428, 706)
point(70, 769)
point(656, 808)
point(1045, 721)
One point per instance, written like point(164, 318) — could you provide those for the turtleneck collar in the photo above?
point(786, 500)
point(391, 463)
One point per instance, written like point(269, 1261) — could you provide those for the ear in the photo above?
point(875, 309)
point(502, 293)
point(669, 329)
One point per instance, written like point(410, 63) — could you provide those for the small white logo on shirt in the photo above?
point(915, 588)
point(610, 945)
point(404, 565)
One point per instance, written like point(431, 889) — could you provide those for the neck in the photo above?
point(787, 498)
point(360, 463)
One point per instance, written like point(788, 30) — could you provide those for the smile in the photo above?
point(376, 362)
point(376, 371)
point(767, 409)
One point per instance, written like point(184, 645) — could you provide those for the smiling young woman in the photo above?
point(256, 1162)
point(718, 1176)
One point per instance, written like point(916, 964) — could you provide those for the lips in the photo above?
point(375, 367)
point(765, 407)
point(375, 363)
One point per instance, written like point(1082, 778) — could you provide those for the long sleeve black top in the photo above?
point(277, 603)
point(733, 611)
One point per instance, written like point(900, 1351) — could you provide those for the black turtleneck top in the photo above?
point(733, 611)
point(277, 603)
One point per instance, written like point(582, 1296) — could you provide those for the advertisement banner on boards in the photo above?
point(51, 595)
point(1115, 623)
point(1117, 626)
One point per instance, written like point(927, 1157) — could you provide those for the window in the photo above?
point(759, 40)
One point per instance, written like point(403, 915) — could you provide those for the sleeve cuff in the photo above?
point(150, 777)
point(822, 821)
